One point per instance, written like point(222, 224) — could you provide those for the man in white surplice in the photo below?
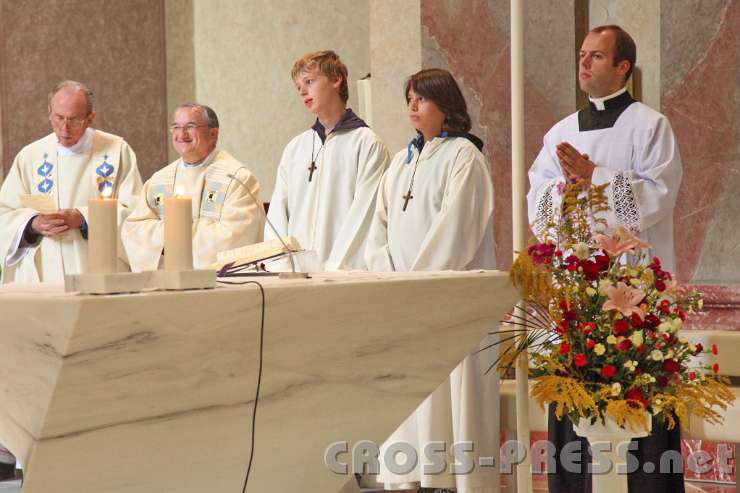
point(66, 168)
point(435, 212)
point(617, 141)
point(225, 216)
point(631, 148)
point(328, 175)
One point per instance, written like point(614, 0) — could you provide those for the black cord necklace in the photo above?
point(408, 195)
point(313, 166)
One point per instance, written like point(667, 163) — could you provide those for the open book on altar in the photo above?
point(257, 252)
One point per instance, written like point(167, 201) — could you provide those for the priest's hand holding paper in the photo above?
point(574, 163)
point(57, 223)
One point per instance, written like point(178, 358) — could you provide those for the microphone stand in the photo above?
point(283, 275)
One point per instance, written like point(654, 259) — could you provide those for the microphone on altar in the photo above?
point(286, 248)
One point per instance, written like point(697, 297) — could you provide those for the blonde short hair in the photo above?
point(327, 63)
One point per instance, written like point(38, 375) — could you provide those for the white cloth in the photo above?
point(224, 215)
point(330, 214)
point(447, 225)
point(70, 176)
point(638, 157)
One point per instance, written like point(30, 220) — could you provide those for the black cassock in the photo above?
point(649, 450)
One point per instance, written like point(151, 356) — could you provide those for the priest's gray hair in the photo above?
point(209, 116)
point(75, 86)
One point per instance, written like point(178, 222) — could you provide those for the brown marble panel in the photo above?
point(721, 308)
point(703, 108)
point(473, 40)
point(116, 47)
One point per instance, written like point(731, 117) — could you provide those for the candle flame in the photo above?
point(180, 191)
point(106, 192)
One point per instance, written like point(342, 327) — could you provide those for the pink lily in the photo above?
point(622, 241)
point(624, 299)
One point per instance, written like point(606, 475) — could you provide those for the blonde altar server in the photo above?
point(63, 169)
point(224, 215)
point(435, 212)
point(328, 176)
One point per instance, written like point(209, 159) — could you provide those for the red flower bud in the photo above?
point(714, 349)
point(608, 371)
point(699, 348)
point(620, 326)
point(715, 368)
point(692, 375)
point(671, 366)
point(590, 343)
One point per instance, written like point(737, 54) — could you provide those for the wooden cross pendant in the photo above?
point(312, 168)
point(406, 199)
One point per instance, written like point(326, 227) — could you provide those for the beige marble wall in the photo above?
point(242, 56)
point(395, 53)
point(179, 28)
point(642, 20)
point(117, 48)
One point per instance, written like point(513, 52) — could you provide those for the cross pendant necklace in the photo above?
point(407, 196)
point(313, 166)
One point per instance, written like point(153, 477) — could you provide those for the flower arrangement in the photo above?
point(603, 324)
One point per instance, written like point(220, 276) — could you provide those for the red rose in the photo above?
point(659, 285)
point(603, 262)
point(608, 371)
point(671, 366)
point(715, 368)
point(652, 320)
point(590, 270)
point(590, 343)
point(636, 320)
point(642, 349)
point(564, 348)
point(664, 306)
point(625, 345)
point(682, 315)
point(580, 359)
point(541, 253)
point(692, 375)
point(637, 396)
point(699, 348)
point(620, 326)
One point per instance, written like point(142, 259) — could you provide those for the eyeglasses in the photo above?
point(75, 122)
point(185, 128)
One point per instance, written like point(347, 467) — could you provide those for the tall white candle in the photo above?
point(102, 239)
point(178, 233)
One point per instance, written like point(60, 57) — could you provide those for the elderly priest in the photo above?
point(225, 216)
point(43, 201)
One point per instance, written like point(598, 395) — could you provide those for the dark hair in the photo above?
point(440, 87)
point(209, 116)
point(624, 46)
point(327, 63)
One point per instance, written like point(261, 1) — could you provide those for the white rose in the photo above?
point(656, 355)
point(637, 338)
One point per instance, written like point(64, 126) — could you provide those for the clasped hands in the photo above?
point(57, 223)
point(573, 163)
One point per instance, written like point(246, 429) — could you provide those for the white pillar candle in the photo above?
point(102, 235)
point(178, 233)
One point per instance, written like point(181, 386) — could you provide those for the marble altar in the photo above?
point(154, 392)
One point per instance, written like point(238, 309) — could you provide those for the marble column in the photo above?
point(700, 48)
point(117, 48)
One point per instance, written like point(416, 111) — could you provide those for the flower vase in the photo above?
point(609, 473)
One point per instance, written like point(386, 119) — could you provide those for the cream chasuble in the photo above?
point(446, 225)
point(70, 178)
point(224, 215)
